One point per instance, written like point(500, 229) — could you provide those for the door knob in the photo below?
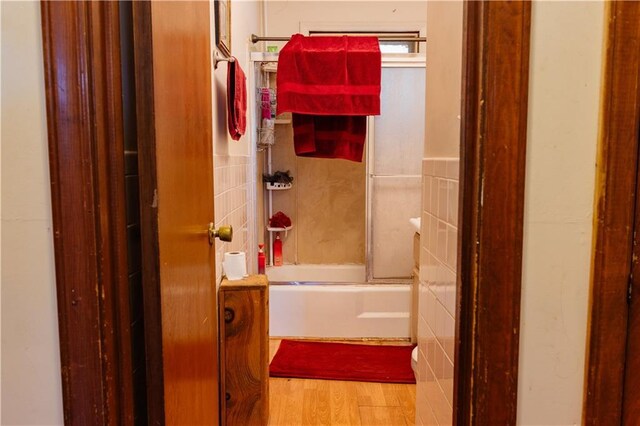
point(225, 233)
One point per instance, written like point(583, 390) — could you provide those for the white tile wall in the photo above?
point(231, 186)
point(438, 257)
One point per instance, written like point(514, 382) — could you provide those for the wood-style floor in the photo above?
point(296, 402)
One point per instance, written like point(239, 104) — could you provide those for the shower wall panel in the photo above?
point(331, 211)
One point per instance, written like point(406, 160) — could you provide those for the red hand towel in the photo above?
point(330, 76)
point(325, 136)
point(236, 99)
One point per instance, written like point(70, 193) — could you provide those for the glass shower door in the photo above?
point(395, 151)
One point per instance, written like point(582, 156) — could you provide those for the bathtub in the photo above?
point(317, 273)
point(333, 301)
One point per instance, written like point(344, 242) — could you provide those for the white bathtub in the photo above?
point(301, 304)
point(317, 273)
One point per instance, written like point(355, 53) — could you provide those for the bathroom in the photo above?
point(443, 29)
point(566, 59)
point(352, 252)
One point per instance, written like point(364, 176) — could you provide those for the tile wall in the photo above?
point(231, 189)
point(436, 326)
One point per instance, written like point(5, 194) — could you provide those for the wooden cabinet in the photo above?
point(244, 351)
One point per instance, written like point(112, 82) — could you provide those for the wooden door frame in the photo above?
point(143, 69)
point(617, 171)
point(86, 159)
point(491, 210)
point(82, 69)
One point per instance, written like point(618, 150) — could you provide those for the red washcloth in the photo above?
point(330, 76)
point(236, 99)
point(329, 136)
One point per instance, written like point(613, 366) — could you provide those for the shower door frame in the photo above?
point(411, 60)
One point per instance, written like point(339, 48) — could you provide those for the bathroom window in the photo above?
point(386, 46)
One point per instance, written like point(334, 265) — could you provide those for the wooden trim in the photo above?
point(493, 149)
point(614, 217)
point(466, 264)
point(631, 390)
point(143, 70)
point(86, 156)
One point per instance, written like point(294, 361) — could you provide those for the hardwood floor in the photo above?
point(295, 402)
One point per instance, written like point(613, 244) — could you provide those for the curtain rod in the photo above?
point(255, 39)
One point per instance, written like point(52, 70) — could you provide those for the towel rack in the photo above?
point(255, 38)
point(217, 57)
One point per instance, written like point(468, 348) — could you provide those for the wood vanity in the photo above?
point(244, 351)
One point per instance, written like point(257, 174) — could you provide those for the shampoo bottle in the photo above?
point(277, 251)
point(261, 259)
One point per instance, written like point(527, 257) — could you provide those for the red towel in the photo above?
point(236, 99)
point(325, 136)
point(330, 76)
point(330, 84)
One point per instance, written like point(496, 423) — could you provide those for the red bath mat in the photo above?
point(343, 361)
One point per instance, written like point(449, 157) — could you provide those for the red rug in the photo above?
point(343, 361)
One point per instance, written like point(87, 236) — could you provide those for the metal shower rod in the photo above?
point(256, 39)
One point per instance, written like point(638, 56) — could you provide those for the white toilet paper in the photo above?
point(235, 265)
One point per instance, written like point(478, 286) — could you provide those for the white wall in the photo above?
point(31, 381)
point(234, 181)
point(566, 59)
point(444, 74)
point(246, 19)
point(434, 400)
point(284, 18)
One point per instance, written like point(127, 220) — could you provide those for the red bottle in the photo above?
point(277, 251)
point(261, 259)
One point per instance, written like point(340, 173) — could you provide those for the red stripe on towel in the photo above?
point(341, 137)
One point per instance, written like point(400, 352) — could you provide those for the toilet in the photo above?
point(414, 362)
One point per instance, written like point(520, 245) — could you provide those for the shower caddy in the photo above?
point(265, 142)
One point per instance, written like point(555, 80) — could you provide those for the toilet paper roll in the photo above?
point(235, 265)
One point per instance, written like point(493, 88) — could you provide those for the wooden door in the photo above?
point(173, 91)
